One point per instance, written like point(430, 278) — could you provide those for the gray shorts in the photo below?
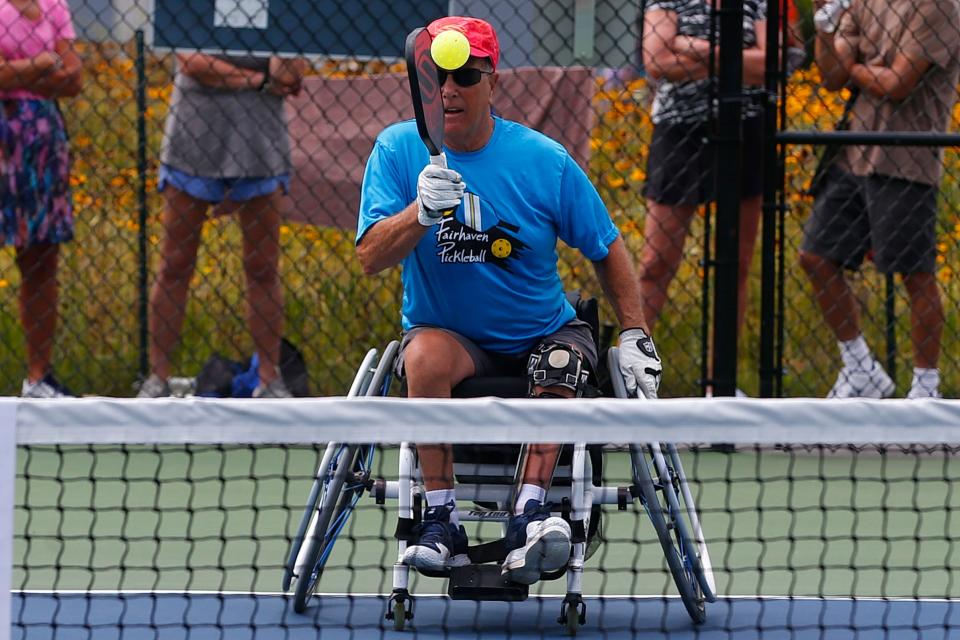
point(895, 218)
point(575, 333)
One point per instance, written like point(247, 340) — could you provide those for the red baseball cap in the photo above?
point(480, 35)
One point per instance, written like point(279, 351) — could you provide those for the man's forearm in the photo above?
point(835, 75)
point(219, 74)
point(391, 240)
point(878, 80)
point(677, 67)
point(620, 284)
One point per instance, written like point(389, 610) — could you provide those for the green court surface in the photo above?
point(801, 523)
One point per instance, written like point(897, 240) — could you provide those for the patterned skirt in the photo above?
point(35, 201)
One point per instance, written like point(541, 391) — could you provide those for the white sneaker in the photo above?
point(276, 389)
point(738, 393)
point(920, 392)
point(41, 389)
point(872, 382)
point(154, 387)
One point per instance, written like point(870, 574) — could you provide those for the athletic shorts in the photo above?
point(36, 205)
point(895, 218)
point(575, 333)
point(681, 167)
point(214, 190)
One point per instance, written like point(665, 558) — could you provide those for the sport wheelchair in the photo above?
point(487, 475)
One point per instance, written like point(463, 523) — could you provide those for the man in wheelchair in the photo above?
point(482, 295)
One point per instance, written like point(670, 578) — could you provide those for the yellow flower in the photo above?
point(615, 181)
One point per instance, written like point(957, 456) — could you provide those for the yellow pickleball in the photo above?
point(501, 248)
point(450, 50)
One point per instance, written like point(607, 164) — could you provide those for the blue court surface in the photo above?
point(195, 616)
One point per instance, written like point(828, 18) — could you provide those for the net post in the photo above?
point(8, 477)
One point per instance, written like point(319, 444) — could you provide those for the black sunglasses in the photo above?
point(463, 77)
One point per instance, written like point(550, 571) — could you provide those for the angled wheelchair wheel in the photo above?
point(688, 520)
point(677, 546)
point(662, 486)
point(344, 480)
point(341, 479)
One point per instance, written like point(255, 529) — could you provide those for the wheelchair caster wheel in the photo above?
point(573, 613)
point(399, 615)
point(397, 609)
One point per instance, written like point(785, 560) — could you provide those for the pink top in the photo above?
point(22, 38)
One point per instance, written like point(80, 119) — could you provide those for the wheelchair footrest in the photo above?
point(484, 582)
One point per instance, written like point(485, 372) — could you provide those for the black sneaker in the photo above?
point(536, 542)
point(439, 545)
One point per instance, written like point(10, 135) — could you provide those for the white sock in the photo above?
point(927, 379)
point(855, 353)
point(440, 497)
point(529, 492)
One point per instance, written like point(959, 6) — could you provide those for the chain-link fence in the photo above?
point(888, 73)
point(586, 73)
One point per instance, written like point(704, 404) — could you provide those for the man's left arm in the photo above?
point(639, 362)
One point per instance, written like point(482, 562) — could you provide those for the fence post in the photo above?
point(729, 139)
point(774, 76)
point(142, 200)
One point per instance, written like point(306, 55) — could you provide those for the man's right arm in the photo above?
point(834, 56)
point(390, 240)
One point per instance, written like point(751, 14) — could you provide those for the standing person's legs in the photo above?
point(751, 210)
point(182, 219)
point(665, 232)
point(836, 237)
point(840, 308)
point(260, 222)
point(39, 293)
point(903, 217)
point(926, 318)
point(37, 214)
point(679, 178)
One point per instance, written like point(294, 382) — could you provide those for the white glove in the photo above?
point(827, 17)
point(438, 190)
point(639, 363)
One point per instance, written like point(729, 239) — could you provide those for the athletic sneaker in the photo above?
point(275, 389)
point(920, 392)
point(439, 545)
point(536, 542)
point(46, 387)
point(154, 387)
point(872, 382)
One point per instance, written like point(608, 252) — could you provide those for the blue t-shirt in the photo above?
point(489, 272)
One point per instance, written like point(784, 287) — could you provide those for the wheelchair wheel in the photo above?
point(682, 519)
point(343, 482)
point(688, 520)
point(339, 483)
point(677, 546)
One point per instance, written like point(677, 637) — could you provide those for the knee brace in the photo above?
point(555, 364)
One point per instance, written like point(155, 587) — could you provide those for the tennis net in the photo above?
point(185, 518)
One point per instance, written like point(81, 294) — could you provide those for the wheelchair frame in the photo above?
point(344, 473)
